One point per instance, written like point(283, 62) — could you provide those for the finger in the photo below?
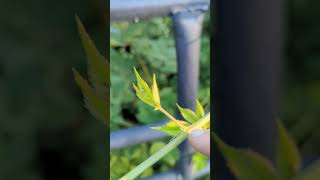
point(200, 141)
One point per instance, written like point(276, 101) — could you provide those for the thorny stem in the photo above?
point(166, 113)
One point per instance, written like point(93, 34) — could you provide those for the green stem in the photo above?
point(155, 157)
point(166, 113)
point(200, 123)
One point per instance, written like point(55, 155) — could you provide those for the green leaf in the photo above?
point(98, 66)
point(114, 42)
point(170, 128)
point(142, 96)
point(312, 172)
point(142, 90)
point(199, 161)
point(146, 115)
point(147, 172)
point(288, 160)
point(142, 84)
point(245, 164)
point(200, 111)
point(94, 104)
point(172, 157)
point(156, 147)
point(187, 114)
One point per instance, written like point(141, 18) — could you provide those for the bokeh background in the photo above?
point(301, 85)
point(45, 132)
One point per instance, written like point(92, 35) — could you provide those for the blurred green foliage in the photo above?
point(148, 46)
point(249, 165)
point(95, 90)
point(45, 133)
point(301, 84)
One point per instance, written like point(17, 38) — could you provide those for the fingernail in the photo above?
point(197, 133)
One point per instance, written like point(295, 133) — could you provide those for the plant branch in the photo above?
point(155, 157)
point(166, 113)
point(200, 123)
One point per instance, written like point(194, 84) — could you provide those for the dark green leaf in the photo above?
point(288, 160)
point(98, 66)
point(245, 164)
point(312, 172)
point(96, 105)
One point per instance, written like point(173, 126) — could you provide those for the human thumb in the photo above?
point(200, 141)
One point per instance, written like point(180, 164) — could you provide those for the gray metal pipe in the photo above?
point(247, 76)
point(187, 27)
point(135, 135)
point(142, 9)
point(174, 175)
point(169, 175)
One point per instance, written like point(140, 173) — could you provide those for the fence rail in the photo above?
point(187, 16)
point(140, 134)
point(142, 9)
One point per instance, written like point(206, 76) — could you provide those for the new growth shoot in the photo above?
point(179, 129)
point(151, 97)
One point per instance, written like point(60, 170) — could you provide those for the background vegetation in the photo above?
point(45, 133)
point(301, 84)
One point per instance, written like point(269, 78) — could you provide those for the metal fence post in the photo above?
point(247, 76)
point(187, 27)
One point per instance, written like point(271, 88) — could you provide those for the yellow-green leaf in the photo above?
point(171, 128)
point(288, 160)
point(200, 124)
point(245, 164)
point(187, 114)
point(143, 89)
point(96, 105)
point(312, 172)
point(200, 111)
point(199, 161)
point(142, 96)
point(155, 93)
point(98, 66)
point(141, 83)
point(156, 147)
